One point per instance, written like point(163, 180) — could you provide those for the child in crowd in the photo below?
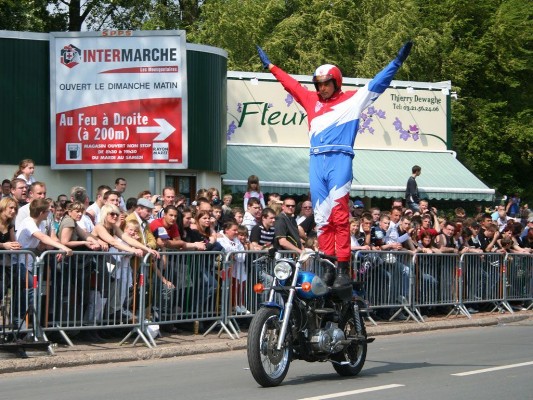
point(158, 206)
point(59, 212)
point(133, 229)
point(25, 171)
point(357, 238)
point(253, 190)
point(243, 236)
point(238, 214)
point(123, 273)
point(217, 214)
point(230, 242)
point(226, 203)
point(311, 243)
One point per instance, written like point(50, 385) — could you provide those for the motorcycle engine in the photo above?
point(326, 340)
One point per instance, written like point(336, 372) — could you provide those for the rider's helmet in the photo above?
point(328, 72)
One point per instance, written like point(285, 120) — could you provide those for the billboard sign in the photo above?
point(261, 112)
point(119, 98)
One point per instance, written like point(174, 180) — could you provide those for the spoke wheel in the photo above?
point(268, 365)
point(352, 357)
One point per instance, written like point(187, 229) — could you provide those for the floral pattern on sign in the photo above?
point(368, 118)
point(289, 100)
point(405, 134)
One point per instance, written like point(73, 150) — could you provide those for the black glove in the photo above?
point(264, 58)
point(404, 51)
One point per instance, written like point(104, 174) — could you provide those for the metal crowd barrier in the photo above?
point(388, 278)
point(519, 278)
point(436, 281)
point(105, 290)
point(18, 302)
point(91, 290)
point(187, 287)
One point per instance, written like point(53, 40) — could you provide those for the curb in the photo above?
point(92, 357)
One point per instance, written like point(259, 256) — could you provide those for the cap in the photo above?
point(474, 224)
point(358, 204)
point(145, 203)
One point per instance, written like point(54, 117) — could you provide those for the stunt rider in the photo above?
point(333, 117)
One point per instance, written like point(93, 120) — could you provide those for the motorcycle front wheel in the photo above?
point(268, 365)
point(350, 361)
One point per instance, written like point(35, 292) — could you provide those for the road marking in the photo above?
point(341, 394)
point(482, 371)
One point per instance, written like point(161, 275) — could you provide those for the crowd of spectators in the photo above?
point(153, 223)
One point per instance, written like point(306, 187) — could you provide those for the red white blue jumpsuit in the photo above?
point(333, 125)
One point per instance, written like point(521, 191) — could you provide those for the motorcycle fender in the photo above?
point(271, 305)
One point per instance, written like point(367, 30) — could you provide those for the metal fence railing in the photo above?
point(105, 290)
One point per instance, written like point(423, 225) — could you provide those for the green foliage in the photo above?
point(483, 47)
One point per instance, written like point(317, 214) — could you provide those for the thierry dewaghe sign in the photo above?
point(118, 98)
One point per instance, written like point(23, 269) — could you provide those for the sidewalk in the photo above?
point(186, 343)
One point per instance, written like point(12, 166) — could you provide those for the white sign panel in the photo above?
point(119, 98)
point(260, 111)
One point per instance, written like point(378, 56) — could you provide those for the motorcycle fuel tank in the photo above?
point(318, 287)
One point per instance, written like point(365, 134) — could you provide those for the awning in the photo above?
point(377, 173)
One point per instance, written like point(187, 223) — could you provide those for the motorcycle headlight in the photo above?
point(282, 270)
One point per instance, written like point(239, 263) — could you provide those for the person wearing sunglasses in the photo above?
point(286, 236)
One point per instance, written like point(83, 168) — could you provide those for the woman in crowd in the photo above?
point(70, 233)
point(59, 212)
point(426, 244)
point(213, 195)
point(76, 270)
point(184, 228)
point(8, 211)
point(203, 232)
point(109, 232)
point(205, 280)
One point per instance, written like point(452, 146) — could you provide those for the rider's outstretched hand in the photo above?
point(404, 51)
point(264, 58)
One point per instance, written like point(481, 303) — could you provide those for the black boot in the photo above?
point(343, 276)
point(342, 286)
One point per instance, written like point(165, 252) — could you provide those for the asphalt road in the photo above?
point(475, 363)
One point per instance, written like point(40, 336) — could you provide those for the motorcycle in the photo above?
point(305, 319)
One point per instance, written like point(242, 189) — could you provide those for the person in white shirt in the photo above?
point(93, 211)
point(37, 191)
point(31, 234)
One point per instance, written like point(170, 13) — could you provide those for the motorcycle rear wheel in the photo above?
point(268, 365)
point(354, 354)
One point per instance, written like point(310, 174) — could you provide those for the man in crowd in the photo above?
point(165, 230)
point(412, 197)
point(168, 197)
point(252, 216)
point(6, 188)
point(142, 214)
point(19, 191)
point(262, 235)
point(286, 235)
point(37, 191)
point(93, 211)
point(305, 212)
point(120, 187)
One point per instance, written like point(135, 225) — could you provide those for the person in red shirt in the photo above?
point(165, 230)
